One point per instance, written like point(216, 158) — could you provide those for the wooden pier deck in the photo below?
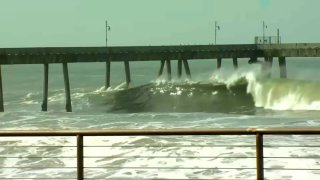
point(42, 55)
point(163, 54)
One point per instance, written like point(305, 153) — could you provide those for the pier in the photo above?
point(163, 54)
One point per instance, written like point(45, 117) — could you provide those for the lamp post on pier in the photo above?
point(108, 28)
point(264, 27)
point(278, 36)
point(216, 28)
point(108, 63)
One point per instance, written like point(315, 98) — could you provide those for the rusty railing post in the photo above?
point(80, 174)
point(259, 156)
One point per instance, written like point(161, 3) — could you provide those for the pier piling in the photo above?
point(127, 69)
point(1, 93)
point(282, 66)
point(44, 106)
point(108, 70)
point(219, 62)
point(67, 87)
point(269, 66)
point(168, 63)
point(161, 68)
point(235, 63)
point(187, 68)
point(266, 67)
point(179, 68)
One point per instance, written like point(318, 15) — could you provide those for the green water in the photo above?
point(210, 99)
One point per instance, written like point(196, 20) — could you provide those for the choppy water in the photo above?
point(225, 99)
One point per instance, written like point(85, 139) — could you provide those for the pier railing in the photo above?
point(78, 161)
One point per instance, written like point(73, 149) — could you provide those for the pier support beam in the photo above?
point(181, 62)
point(179, 68)
point(266, 67)
point(127, 69)
point(253, 60)
point(187, 68)
point(44, 106)
point(161, 68)
point(269, 66)
point(67, 87)
point(1, 93)
point(235, 63)
point(282, 66)
point(168, 63)
point(219, 62)
point(108, 70)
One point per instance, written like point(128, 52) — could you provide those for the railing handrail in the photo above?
point(159, 132)
point(258, 132)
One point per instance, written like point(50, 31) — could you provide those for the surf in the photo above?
point(242, 92)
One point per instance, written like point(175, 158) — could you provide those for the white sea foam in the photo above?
point(166, 158)
point(275, 94)
point(161, 157)
point(284, 94)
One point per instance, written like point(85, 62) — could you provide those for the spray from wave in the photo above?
point(275, 93)
point(284, 94)
point(242, 92)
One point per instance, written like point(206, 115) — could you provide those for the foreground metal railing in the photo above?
point(257, 133)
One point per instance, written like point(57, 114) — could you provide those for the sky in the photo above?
point(39, 23)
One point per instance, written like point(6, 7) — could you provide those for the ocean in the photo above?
point(211, 99)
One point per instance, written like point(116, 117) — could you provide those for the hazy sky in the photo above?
point(154, 22)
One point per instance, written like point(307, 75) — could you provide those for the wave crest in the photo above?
point(236, 93)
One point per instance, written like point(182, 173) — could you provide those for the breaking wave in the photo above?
point(239, 93)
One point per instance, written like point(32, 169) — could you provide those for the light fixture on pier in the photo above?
point(108, 28)
point(216, 28)
point(264, 27)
